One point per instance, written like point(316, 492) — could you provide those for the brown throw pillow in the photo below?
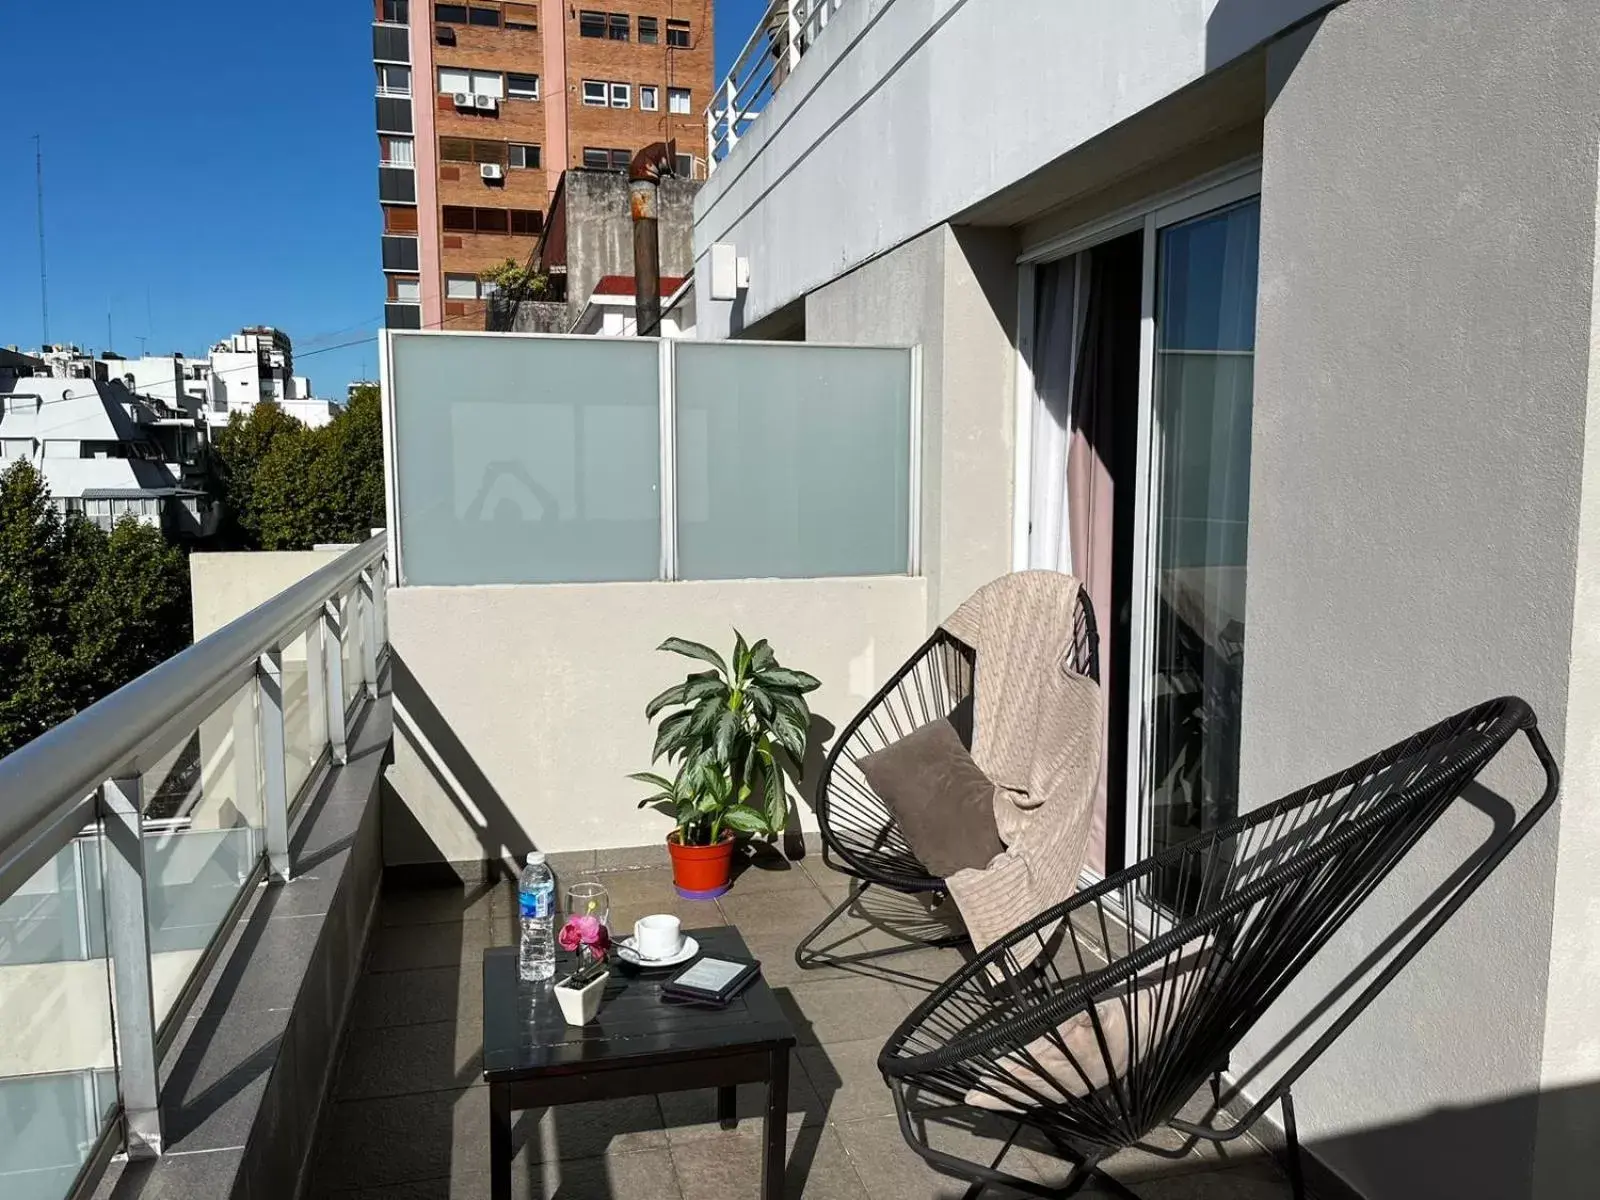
point(942, 801)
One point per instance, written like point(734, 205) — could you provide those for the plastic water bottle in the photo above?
point(536, 902)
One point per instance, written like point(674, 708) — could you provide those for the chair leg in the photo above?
point(1291, 1138)
point(808, 959)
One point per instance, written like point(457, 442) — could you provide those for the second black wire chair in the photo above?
point(1107, 1043)
point(859, 835)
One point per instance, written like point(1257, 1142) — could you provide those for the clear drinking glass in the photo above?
point(589, 900)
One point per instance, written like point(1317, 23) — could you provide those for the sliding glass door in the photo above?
point(1134, 474)
point(1204, 308)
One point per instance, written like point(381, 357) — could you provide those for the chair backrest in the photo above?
point(933, 683)
point(1115, 1034)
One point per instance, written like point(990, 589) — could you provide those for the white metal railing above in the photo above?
point(785, 32)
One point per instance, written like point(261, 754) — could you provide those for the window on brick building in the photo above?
point(592, 24)
point(649, 97)
point(678, 34)
point(522, 87)
point(407, 291)
point(617, 27)
point(649, 30)
point(397, 12)
point(594, 93)
point(524, 157)
point(683, 166)
point(621, 95)
point(526, 221)
point(457, 218)
point(599, 158)
point(393, 80)
point(450, 14)
point(521, 16)
point(484, 16)
point(460, 287)
point(679, 100)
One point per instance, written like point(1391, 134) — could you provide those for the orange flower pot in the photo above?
point(701, 872)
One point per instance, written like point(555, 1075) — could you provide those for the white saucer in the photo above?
point(631, 956)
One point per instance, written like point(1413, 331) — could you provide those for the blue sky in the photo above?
point(206, 166)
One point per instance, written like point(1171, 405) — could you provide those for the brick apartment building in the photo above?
point(480, 108)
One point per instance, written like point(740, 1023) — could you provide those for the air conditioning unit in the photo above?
point(463, 99)
point(491, 171)
point(485, 103)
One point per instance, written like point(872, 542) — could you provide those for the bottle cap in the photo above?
point(536, 859)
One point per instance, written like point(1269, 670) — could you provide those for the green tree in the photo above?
point(135, 610)
point(288, 487)
point(35, 688)
point(238, 451)
point(82, 612)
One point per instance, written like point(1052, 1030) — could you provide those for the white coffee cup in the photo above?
point(657, 937)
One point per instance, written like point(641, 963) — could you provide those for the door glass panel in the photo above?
point(1204, 376)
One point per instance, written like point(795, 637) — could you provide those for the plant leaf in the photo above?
point(790, 681)
point(746, 819)
point(741, 655)
point(761, 657)
point(761, 700)
point(669, 733)
point(705, 716)
point(677, 645)
point(676, 694)
point(727, 726)
point(790, 733)
point(706, 683)
point(777, 797)
point(654, 780)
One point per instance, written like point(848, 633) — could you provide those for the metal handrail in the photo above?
point(49, 777)
point(755, 75)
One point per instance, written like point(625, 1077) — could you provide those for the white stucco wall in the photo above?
point(907, 112)
point(225, 586)
point(954, 294)
point(519, 711)
point(1422, 388)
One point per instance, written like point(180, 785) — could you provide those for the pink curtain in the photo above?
point(1073, 496)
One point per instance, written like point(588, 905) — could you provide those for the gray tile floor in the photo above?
point(409, 1114)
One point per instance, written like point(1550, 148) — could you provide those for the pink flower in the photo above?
point(585, 932)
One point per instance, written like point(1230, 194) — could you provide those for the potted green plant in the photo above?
point(730, 731)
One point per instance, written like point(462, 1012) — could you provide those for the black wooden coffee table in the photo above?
point(639, 1045)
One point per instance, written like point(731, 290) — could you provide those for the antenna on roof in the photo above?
point(44, 298)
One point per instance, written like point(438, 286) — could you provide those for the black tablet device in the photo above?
point(712, 979)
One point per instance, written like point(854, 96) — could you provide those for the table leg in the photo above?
point(728, 1107)
point(775, 1131)
point(499, 1144)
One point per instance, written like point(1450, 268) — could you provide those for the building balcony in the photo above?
point(245, 900)
point(787, 30)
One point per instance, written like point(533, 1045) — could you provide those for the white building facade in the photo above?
point(1274, 321)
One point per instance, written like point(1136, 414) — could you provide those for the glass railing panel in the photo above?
point(526, 460)
point(305, 725)
point(350, 645)
point(793, 461)
point(202, 838)
point(57, 1066)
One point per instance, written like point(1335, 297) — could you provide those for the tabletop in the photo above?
point(524, 1034)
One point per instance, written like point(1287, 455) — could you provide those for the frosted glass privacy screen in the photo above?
point(526, 460)
point(792, 461)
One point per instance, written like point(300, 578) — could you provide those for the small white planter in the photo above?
point(579, 1005)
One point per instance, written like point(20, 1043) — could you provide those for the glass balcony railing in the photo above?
point(179, 791)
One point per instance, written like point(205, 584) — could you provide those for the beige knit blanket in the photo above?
point(1037, 736)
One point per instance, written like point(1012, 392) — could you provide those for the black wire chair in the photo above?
point(859, 834)
point(1102, 1045)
